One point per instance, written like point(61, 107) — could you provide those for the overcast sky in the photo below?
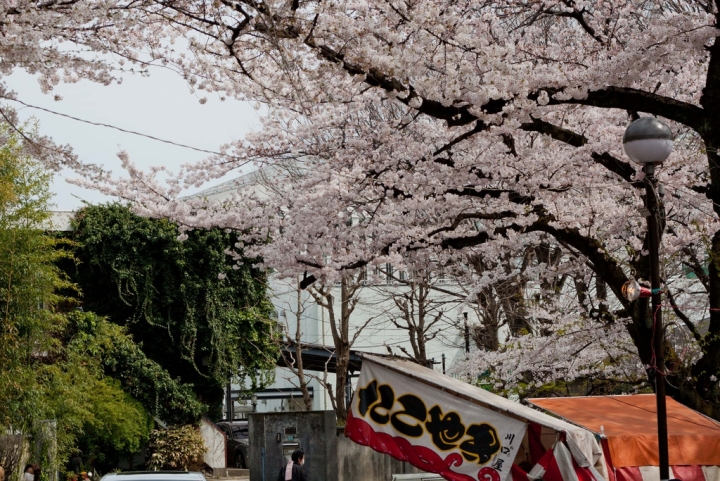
point(160, 105)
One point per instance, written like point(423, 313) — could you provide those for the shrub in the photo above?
point(176, 448)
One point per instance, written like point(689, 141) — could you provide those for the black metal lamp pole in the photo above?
point(648, 142)
point(467, 334)
point(657, 330)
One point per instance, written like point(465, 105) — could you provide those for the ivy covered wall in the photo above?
point(195, 311)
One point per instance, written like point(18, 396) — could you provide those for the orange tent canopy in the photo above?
point(630, 425)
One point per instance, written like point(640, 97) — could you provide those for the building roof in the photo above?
point(316, 357)
point(233, 185)
point(60, 220)
point(257, 180)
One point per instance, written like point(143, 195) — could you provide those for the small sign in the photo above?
point(290, 434)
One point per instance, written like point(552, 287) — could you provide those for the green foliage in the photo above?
point(176, 448)
point(92, 336)
point(29, 281)
point(93, 414)
point(53, 388)
point(119, 423)
point(193, 313)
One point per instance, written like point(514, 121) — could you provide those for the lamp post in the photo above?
point(648, 142)
point(253, 402)
point(467, 334)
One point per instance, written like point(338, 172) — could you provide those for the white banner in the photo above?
point(435, 431)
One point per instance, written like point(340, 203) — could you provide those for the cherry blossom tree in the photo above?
point(452, 129)
point(546, 327)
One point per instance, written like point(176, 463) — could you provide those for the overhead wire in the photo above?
point(127, 131)
point(246, 161)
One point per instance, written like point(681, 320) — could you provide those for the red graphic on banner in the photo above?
point(488, 474)
point(419, 456)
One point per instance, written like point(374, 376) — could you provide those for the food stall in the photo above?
point(463, 433)
point(627, 429)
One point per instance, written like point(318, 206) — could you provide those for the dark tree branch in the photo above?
point(639, 100)
point(558, 133)
point(603, 265)
point(681, 315)
point(623, 169)
point(475, 215)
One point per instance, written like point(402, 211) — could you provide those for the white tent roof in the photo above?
point(476, 395)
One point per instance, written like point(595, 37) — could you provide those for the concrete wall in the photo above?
point(360, 463)
point(215, 441)
point(329, 455)
point(281, 433)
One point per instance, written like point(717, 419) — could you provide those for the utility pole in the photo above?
point(228, 402)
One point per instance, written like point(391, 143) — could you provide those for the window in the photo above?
point(389, 273)
point(240, 432)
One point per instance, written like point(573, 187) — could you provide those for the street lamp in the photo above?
point(253, 402)
point(632, 290)
point(648, 142)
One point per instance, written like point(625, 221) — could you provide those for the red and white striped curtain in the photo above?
point(683, 473)
point(558, 464)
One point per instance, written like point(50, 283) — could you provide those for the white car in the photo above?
point(155, 476)
point(417, 477)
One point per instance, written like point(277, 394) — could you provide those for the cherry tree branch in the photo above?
point(683, 317)
point(641, 100)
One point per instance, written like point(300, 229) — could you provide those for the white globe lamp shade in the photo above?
point(648, 141)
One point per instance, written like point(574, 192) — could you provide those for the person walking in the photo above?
point(294, 471)
point(75, 464)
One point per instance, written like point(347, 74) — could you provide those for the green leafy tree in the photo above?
point(53, 388)
point(29, 282)
point(92, 413)
point(118, 425)
point(197, 313)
